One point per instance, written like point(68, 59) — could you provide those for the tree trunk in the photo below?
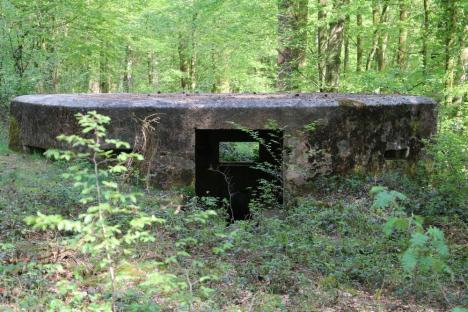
point(464, 75)
point(425, 35)
point(216, 80)
point(461, 98)
point(192, 59)
point(321, 42)
point(18, 60)
point(55, 78)
point(334, 45)
point(358, 43)
point(375, 24)
point(379, 38)
point(127, 78)
point(462, 79)
point(382, 40)
point(52, 67)
point(292, 39)
point(402, 45)
point(186, 51)
point(347, 25)
point(150, 69)
point(183, 63)
point(450, 25)
point(103, 76)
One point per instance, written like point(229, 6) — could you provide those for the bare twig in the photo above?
point(227, 179)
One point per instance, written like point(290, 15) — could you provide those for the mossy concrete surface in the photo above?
point(350, 131)
point(15, 142)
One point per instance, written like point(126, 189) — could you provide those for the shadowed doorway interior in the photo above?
point(229, 164)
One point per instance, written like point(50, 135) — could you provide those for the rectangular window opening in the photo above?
point(396, 154)
point(239, 152)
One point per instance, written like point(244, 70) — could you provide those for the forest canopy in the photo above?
point(85, 230)
point(404, 46)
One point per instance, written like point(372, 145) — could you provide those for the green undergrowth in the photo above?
point(328, 250)
point(3, 139)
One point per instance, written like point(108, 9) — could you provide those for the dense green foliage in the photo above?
point(406, 46)
point(99, 236)
point(238, 151)
point(349, 238)
point(382, 242)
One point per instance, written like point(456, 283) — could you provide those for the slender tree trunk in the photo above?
point(321, 42)
point(425, 35)
point(382, 40)
point(107, 248)
point(127, 78)
point(18, 60)
point(192, 62)
point(462, 79)
point(183, 63)
point(379, 38)
point(347, 25)
point(192, 59)
point(2, 78)
point(375, 24)
point(50, 67)
point(358, 42)
point(186, 51)
point(334, 46)
point(55, 78)
point(292, 38)
point(402, 44)
point(150, 69)
point(93, 78)
point(216, 81)
point(450, 26)
point(460, 99)
point(103, 76)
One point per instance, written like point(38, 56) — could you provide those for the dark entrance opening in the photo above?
point(396, 154)
point(229, 164)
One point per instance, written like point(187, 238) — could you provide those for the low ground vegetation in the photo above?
point(356, 243)
point(387, 242)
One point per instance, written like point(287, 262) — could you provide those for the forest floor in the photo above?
point(344, 265)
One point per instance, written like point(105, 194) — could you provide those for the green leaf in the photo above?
point(441, 248)
point(389, 226)
point(394, 223)
point(382, 200)
point(377, 189)
point(436, 233)
point(399, 195)
point(110, 184)
point(409, 260)
point(118, 169)
point(52, 154)
point(419, 239)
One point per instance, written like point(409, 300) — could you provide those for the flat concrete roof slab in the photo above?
point(189, 101)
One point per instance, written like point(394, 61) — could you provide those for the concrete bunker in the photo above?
point(321, 133)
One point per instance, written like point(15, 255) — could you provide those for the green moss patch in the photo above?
point(14, 135)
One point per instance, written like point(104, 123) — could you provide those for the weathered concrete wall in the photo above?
point(351, 131)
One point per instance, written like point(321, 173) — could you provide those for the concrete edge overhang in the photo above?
point(219, 101)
